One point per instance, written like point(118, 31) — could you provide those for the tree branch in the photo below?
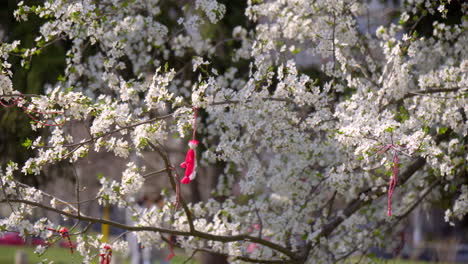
point(357, 203)
point(431, 91)
point(169, 169)
point(195, 233)
point(247, 101)
point(79, 144)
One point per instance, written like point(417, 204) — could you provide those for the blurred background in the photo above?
point(425, 237)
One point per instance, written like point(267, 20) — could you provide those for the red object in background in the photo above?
point(67, 244)
point(12, 238)
point(36, 241)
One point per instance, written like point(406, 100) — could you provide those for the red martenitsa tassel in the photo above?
point(190, 163)
point(64, 234)
point(105, 258)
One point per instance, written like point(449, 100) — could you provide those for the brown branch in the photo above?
point(169, 168)
point(220, 238)
point(431, 91)
point(420, 199)
point(398, 217)
point(253, 260)
point(420, 93)
point(197, 233)
point(249, 100)
point(357, 203)
point(279, 261)
point(79, 144)
point(154, 173)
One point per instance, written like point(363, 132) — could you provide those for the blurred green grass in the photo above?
point(61, 256)
point(58, 255)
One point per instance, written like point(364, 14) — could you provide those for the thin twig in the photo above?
point(79, 144)
point(154, 173)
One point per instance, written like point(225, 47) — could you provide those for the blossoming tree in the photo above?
point(317, 165)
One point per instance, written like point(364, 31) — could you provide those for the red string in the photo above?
point(385, 148)
point(171, 249)
point(393, 183)
point(194, 122)
point(394, 178)
point(42, 123)
point(27, 111)
point(63, 234)
point(105, 258)
point(15, 102)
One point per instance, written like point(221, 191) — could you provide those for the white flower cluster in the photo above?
point(460, 207)
point(212, 9)
point(307, 147)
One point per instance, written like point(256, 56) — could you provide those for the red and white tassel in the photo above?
point(190, 163)
point(106, 254)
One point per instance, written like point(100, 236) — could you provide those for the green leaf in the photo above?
point(390, 129)
point(402, 115)
point(27, 143)
point(296, 51)
point(443, 130)
point(426, 129)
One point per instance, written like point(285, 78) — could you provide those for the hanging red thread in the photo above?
point(393, 183)
point(171, 249)
point(194, 122)
point(190, 163)
point(27, 111)
point(394, 178)
point(15, 102)
point(63, 234)
point(105, 258)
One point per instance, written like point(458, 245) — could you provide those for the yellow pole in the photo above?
point(105, 227)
